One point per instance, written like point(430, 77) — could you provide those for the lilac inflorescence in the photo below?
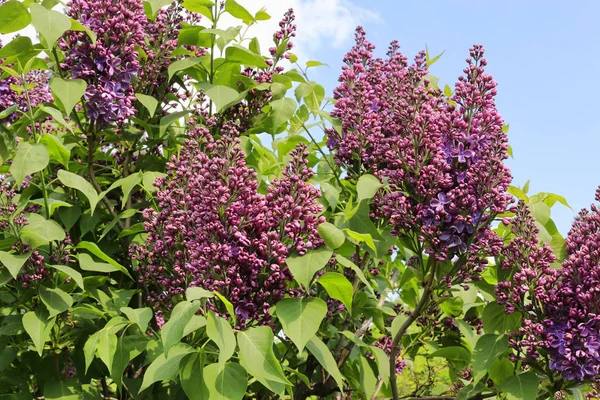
point(573, 324)
point(214, 230)
point(442, 157)
point(526, 273)
point(110, 64)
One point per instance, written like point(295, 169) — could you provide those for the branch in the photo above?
point(109, 206)
point(413, 316)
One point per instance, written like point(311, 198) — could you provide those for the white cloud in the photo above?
point(321, 23)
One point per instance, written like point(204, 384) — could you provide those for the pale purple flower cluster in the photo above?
point(109, 65)
point(525, 276)
point(38, 91)
point(213, 229)
point(442, 157)
point(385, 344)
point(12, 221)
point(283, 36)
point(573, 325)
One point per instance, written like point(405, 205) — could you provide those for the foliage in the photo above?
point(182, 216)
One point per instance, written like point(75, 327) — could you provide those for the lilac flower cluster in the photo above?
point(12, 221)
point(216, 231)
point(39, 92)
point(573, 324)
point(385, 344)
point(283, 36)
point(109, 65)
point(442, 157)
point(526, 273)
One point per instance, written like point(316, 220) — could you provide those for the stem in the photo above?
point(92, 140)
point(35, 139)
point(413, 316)
point(320, 150)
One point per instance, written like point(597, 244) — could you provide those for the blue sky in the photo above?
point(545, 58)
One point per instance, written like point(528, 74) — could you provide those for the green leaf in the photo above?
point(456, 354)
point(180, 65)
point(172, 332)
point(95, 250)
point(157, 5)
point(359, 220)
point(72, 273)
point(452, 306)
point(281, 112)
point(87, 263)
point(62, 390)
point(238, 54)
point(304, 267)
point(227, 304)
point(56, 149)
point(522, 386)
point(163, 368)
point(40, 231)
point(338, 287)
point(367, 378)
point(50, 24)
point(349, 264)
point(220, 95)
point(487, 349)
point(139, 316)
point(128, 347)
point(383, 362)
point(501, 369)
point(13, 17)
point(195, 323)
point(196, 293)
point(107, 347)
point(313, 63)
point(74, 181)
point(149, 102)
point(225, 382)
point(367, 186)
point(77, 26)
point(220, 332)
point(38, 327)
point(496, 320)
point(191, 375)
point(13, 262)
point(301, 318)
point(541, 212)
point(57, 300)
point(333, 237)
point(30, 158)
point(239, 12)
point(321, 352)
point(68, 91)
point(257, 357)
point(262, 15)
point(89, 349)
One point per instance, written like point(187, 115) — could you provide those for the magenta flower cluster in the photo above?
point(526, 278)
point(573, 324)
point(213, 229)
point(38, 92)
point(109, 65)
point(442, 157)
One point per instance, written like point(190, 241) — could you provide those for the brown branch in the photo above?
point(413, 316)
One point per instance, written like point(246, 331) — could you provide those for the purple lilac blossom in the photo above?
point(442, 157)
point(214, 230)
point(109, 65)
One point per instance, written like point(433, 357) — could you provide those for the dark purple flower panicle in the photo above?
point(573, 324)
point(442, 157)
point(109, 65)
point(214, 230)
point(526, 274)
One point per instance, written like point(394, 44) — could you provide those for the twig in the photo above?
point(413, 316)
